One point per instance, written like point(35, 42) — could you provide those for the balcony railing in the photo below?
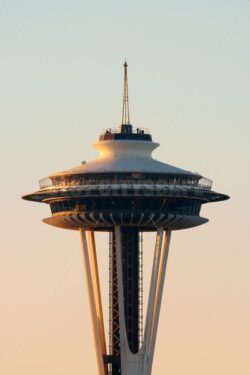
point(117, 130)
point(46, 183)
point(126, 132)
point(205, 183)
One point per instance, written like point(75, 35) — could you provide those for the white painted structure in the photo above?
point(125, 155)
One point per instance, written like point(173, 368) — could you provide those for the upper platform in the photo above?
point(126, 132)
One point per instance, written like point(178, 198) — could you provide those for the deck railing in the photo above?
point(117, 130)
point(205, 183)
point(46, 183)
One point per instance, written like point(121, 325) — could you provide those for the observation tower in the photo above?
point(125, 192)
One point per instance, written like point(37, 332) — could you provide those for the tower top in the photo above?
point(126, 131)
point(125, 107)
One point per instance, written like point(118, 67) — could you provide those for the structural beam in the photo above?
point(93, 285)
point(157, 301)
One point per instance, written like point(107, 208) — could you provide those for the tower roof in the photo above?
point(125, 156)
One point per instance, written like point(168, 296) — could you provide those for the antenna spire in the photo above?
point(125, 108)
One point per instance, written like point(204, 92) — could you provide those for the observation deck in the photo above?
point(124, 178)
point(125, 186)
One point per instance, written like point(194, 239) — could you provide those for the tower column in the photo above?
point(93, 286)
point(132, 296)
point(155, 298)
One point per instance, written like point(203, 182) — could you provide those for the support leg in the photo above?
point(155, 297)
point(158, 299)
point(152, 294)
point(92, 278)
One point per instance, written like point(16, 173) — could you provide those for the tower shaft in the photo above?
point(130, 255)
point(132, 296)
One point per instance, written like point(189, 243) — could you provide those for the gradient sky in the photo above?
point(61, 83)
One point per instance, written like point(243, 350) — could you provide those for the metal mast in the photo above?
point(125, 108)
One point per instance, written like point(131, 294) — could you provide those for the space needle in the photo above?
point(125, 192)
